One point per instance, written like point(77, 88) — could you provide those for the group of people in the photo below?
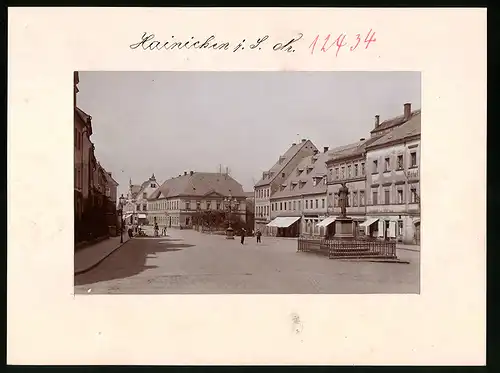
point(257, 234)
point(134, 229)
point(157, 230)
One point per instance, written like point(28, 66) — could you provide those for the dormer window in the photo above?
point(315, 181)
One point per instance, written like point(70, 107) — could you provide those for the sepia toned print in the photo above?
point(247, 183)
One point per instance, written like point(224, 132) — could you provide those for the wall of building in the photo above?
point(263, 199)
point(393, 189)
point(177, 210)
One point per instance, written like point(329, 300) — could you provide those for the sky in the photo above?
point(167, 123)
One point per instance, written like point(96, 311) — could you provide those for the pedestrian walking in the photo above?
point(242, 235)
point(258, 235)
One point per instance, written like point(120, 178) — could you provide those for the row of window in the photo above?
point(262, 193)
point(397, 198)
point(350, 171)
point(164, 205)
point(175, 205)
point(309, 204)
point(261, 211)
point(354, 199)
point(399, 163)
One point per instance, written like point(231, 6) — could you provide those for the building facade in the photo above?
point(136, 209)
point(301, 202)
point(272, 180)
point(393, 183)
point(178, 201)
point(347, 165)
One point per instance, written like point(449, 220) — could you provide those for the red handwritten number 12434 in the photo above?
point(340, 42)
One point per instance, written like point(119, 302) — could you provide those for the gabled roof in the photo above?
point(277, 168)
point(199, 184)
point(407, 130)
point(135, 189)
point(353, 150)
point(85, 118)
point(393, 122)
point(318, 171)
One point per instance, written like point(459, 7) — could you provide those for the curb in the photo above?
point(100, 260)
point(85, 244)
point(397, 261)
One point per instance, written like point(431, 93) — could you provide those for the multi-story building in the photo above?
point(273, 178)
point(347, 165)
point(178, 200)
point(136, 209)
point(250, 209)
point(383, 128)
point(83, 149)
point(300, 202)
point(112, 188)
point(393, 182)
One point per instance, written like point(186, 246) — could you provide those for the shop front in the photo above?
point(285, 226)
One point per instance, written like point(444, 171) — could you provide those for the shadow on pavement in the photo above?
point(128, 261)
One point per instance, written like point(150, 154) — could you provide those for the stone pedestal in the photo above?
point(344, 227)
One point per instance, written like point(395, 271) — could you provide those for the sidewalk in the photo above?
point(401, 246)
point(89, 257)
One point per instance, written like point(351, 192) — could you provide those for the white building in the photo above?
point(135, 210)
point(393, 182)
point(273, 178)
point(178, 200)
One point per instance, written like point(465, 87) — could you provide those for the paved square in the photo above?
point(189, 262)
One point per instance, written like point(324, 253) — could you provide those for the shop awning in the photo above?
point(368, 222)
point(283, 222)
point(326, 222)
point(141, 216)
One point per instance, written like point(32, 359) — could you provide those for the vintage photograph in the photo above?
point(247, 182)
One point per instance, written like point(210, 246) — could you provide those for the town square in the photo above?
point(261, 218)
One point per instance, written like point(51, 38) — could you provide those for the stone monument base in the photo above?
point(344, 228)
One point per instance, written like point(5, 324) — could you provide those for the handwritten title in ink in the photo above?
point(317, 44)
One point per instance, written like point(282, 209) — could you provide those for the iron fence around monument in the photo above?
point(338, 248)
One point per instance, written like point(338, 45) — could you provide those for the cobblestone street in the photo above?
point(189, 262)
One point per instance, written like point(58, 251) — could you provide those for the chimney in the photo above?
point(407, 111)
point(303, 140)
point(377, 120)
point(191, 173)
point(362, 139)
point(325, 149)
point(185, 173)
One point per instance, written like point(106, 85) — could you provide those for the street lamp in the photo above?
point(230, 204)
point(121, 203)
